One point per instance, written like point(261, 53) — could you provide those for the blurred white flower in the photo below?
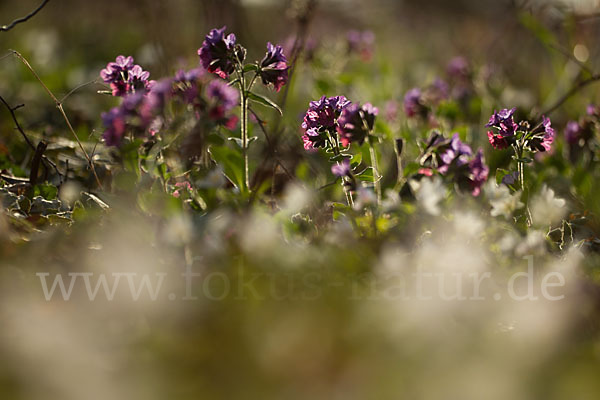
point(429, 193)
point(295, 199)
point(547, 209)
point(69, 192)
point(214, 179)
point(468, 225)
point(391, 200)
point(179, 230)
point(533, 244)
point(364, 197)
point(502, 201)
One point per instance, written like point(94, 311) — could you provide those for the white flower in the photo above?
point(429, 193)
point(468, 225)
point(364, 197)
point(534, 243)
point(502, 201)
point(547, 209)
point(391, 200)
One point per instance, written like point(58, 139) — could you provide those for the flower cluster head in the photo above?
point(361, 43)
point(543, 138)
point(505, 128)
point(123, 118)
point(321, 119)
point(454, 159)
point(274, 67)
point(459, 68)
point(579, 133)
point(125, 77)
point(414, 104)
point(355, 123)
point(341, 169)
point(506, 132)
point(144, 112)
point(222, 98)
point(218, 53)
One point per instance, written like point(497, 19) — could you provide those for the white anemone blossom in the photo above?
point(429, 194)
point(546, 208)
point(502, 201)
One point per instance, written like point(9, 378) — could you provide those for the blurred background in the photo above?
point(348, 342)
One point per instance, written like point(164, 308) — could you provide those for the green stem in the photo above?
point(375, 166)
point(244, 125)
point(336, 151)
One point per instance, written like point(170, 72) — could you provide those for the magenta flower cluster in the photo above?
point(274, 67)
point(355, 123)
point(506, 132)
point(125, 77)
point(455, 159)
point(320, 120)
point(505, 126)
point(217, 53)
point(362, 43)
point(144, 112)
point(220, 55)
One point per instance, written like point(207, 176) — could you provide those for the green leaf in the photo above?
point(525, 160)
point(356, 160)
point(46, 190)
point(411, 168)
point(231, 161)
point(250, 67)
point(238, 141)
point(367, 175)
point(264, 101)
point(234, 82)
point(500, 174)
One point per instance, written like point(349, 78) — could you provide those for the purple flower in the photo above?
point(543, 140)
point(217, 53)
point(355, 123)
point(572, 132)
point(457, 153)
point(478, 173)
point(223, 94)
point(274, 67)
point(223, 99)
point(438, 91)
point(498, 142)
point(341, 169)
point(187, 85)
point(156, 98)
point(391, 111)
point(413, 103)
point(458, 68)
point(592, 110)
point(503, 121)
point(324, 112)
point(115, 124)
point(124, 77)
point(321, 117)
point(361, 43)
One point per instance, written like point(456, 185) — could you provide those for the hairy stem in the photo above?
point(375, 166)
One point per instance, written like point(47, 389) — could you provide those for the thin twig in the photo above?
point(582, 84)
point(8, 27)
point(62, 111)
point(27, 140)
point(77, 88)
point(571, 57)
point(35, 162)
point(269, 143)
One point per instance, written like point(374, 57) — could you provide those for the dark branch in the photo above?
point(571, 92)
point(27, 140)
point(8, 27)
